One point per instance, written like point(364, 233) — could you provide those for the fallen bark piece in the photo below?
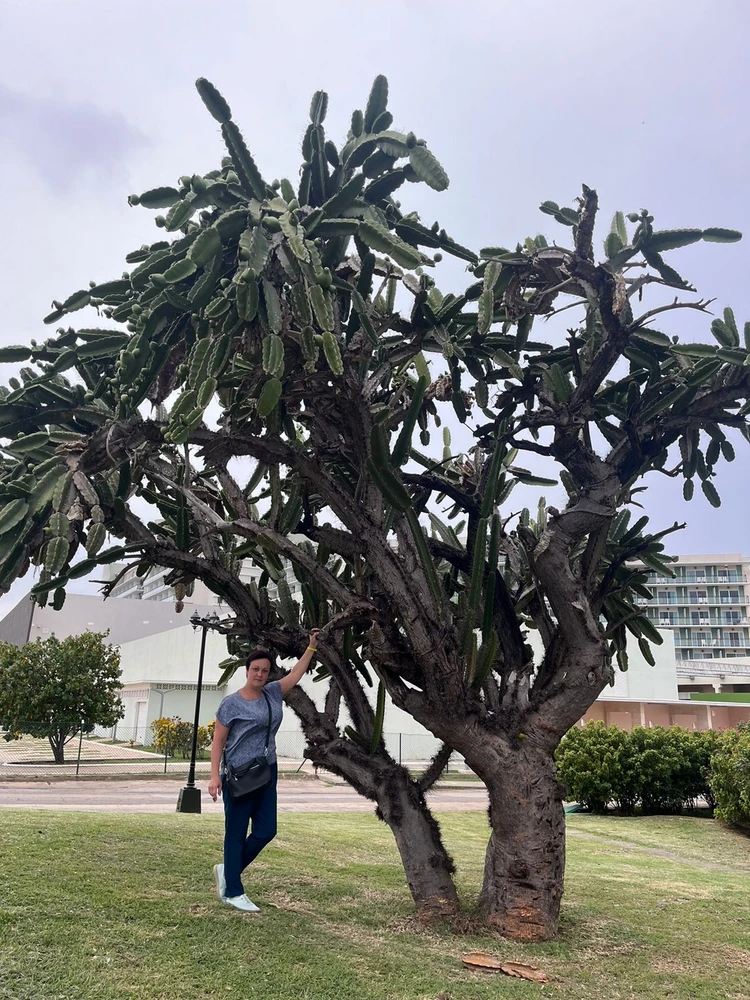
point(521, 971)
point(482, 960)
point(491, 963)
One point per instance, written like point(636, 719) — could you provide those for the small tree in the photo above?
point(56, 688)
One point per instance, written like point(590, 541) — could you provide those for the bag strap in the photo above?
point(268, 727)
point(268, 730)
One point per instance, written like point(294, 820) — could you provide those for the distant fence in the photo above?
point(129, 753)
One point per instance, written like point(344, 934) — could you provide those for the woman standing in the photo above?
point(242, 725)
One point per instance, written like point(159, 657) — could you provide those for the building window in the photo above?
point(729, 596)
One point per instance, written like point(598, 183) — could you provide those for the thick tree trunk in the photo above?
point(525, 860)
point(427, 864)
point(57, 743)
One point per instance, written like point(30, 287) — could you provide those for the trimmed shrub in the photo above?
point(729, 779)
point(703, 746)
point(589, 765)
point(660, 770)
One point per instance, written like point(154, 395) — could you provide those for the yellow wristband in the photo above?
point(311, 649)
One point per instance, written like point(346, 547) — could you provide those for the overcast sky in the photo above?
point(646, 102)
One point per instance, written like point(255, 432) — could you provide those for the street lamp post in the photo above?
point(189, 800)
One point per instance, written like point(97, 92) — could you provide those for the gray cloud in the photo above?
point(520, 102)
point(67, 142)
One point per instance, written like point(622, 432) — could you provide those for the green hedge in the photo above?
point(730, 776)
point(659, 770)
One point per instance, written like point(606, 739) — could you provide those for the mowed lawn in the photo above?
point(99, 907)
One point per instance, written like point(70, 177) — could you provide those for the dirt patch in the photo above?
point(283, 901)
point(608, 949)
point(696, 962)
point(307, 881)
point(671, 967)
point(738, 958)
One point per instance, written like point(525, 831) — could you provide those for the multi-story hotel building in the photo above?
point(705, 605)
point(152, 586)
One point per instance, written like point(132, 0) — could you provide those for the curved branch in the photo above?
point(332, 703)
point(524, 445)
point(436, 485)
point(334, 539)
point(296, 555)
point(701, 305)
point(456, 557)
point(435, 768)
point(584, 232)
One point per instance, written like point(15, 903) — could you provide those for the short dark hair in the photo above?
point(260, 654)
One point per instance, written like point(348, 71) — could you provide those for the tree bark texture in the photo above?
point(525, 860)
point(427, 864)
point(401, 804)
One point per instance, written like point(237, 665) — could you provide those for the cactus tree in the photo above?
point(300, 327)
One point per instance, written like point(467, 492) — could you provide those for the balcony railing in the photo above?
point(680, 578)
point(708, 621)
point(708, 602)
point(712, 668)
point(700, 642)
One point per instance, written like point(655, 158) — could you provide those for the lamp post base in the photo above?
point(189, 800)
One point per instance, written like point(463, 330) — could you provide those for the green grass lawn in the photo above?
point(103, 907)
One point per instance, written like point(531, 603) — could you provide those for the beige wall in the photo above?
point(659, 715)
point(737, 714)
point(623, 719)
point(720, 718)
point(693, 716)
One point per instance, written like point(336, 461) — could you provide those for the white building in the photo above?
point(701, 678)
point(153, 586)
point(705, 607)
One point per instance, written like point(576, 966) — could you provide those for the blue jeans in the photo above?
point(239, 849)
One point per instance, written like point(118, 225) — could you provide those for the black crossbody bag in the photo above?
point(254, 775)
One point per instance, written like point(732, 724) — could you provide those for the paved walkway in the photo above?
point(160, 796)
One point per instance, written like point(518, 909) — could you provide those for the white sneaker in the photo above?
point(221, 882)
point(242, 903)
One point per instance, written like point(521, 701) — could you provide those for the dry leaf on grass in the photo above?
point(491, 963)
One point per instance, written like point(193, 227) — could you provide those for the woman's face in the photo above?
point(257, 672)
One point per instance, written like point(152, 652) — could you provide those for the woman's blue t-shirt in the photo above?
point(247, 722)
